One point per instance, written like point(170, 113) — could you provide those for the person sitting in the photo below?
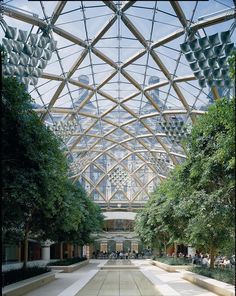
point(218, 261)
point(232, 261)
point(205, 261)
point(195, 259)
point(226, 262)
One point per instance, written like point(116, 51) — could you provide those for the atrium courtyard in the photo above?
point(118, 147)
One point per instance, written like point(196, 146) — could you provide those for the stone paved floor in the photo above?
point(147, 279)
point(119, 283)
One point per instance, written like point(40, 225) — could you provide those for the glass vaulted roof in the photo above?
point(115, 84)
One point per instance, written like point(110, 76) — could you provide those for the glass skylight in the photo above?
point(111, 77)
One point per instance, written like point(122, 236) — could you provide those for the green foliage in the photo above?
point(231, 62)
point(223, 275)
point(16, 275)
point(150, 227)
point(36, 189)
point(211, 148)
point(195, 205)
point(78, 218)
point(174, 261)
point(34, 167)
point(67, 262)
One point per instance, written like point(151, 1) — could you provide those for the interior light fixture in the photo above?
point(199, 55)
point(214, 39)
point(185, 47)
point(29, 52)
point(210, 54)
point(194, 66)
point(204, 42)
point(22, 36)
point(203, 64)
point(190, 57)
point(175, 130)
point(63, 129)
point(225, 36)
point(202, 82)
point(11, 32)
point(194, 45)
point(218, 50)
point(207, 72)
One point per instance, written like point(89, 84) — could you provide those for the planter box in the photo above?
point(220, 288)
point(25, 286)
point(70, 268)
point(170, 268)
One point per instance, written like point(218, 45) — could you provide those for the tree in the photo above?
point(33, 165)
point(211, 175)
point(36, 189)
point(78, 218)
point(199, 204)
point(150, 227)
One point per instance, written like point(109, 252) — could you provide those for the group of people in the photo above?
point(100, 255)
point(224, 261)
point(124, 255)
point(220, 261)
point(117, 255)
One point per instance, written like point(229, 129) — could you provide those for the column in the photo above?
point(46, 249)
point(191, 251)
point(19, 252)
point(84, 251)
point(69, 250)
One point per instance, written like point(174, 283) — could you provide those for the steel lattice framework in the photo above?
point(119, 73)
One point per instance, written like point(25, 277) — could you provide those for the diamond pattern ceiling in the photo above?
point(117, 88)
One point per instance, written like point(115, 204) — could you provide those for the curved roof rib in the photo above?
point(118, 77)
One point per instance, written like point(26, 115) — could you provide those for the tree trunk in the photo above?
point(176, 249)
point(212, 257)
point(61, 250)
point(26, 245)
point(165, 247)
